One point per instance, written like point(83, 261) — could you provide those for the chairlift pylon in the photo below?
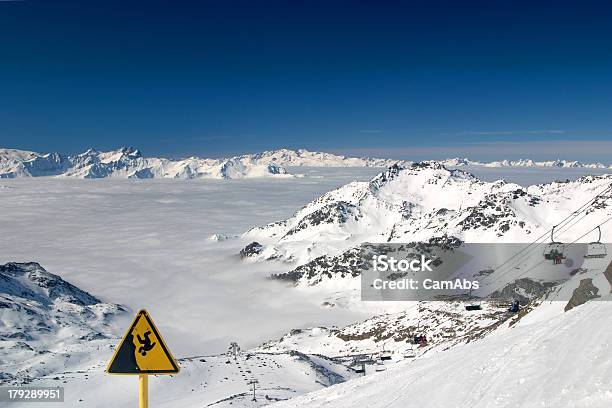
point(554, 250)
point(596, 249)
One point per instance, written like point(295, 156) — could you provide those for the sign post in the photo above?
point(142, 352)
point(143, 391)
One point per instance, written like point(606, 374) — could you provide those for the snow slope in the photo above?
point(548, 359)
point(210, 380)
point(445, 324)
point(48, 324)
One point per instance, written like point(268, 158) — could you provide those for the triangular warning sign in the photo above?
point(142, 350)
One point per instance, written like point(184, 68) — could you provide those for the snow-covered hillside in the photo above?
point(129, 163)
point(444, 324)
point(48, 325)
point(55, 334)
point(210, 380)
point(550, 358)
point(426, 201)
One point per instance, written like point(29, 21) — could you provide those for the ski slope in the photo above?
point(548, 359)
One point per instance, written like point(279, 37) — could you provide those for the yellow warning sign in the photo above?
point(142, 350)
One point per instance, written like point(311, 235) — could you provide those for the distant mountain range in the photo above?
point(128, 162)
point(301, 157)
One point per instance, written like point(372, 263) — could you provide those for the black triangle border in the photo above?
point(143, 313)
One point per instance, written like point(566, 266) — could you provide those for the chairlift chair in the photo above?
point(385, 355)
point(409, 353)
point(596, 249)
point(359, 369)
point(380, 365)
point(553, 251)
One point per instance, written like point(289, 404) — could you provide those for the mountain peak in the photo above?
point(131, 152)
point(32, 281)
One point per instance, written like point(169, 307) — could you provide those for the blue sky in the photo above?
point(424, 79)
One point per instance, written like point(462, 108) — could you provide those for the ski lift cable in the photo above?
point(561, 229)
point(576, 221)
point(561, 226)
point(498, 278)
point(591, 230)
point(565, 227)
point(544, 235)
point(569, 244)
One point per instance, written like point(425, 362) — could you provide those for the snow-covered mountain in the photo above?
point(426, 201)
point(326, 242)
point(129, 163)
point(306, 158)
point(456, 162)
point(48, 324)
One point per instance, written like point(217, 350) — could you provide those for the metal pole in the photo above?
point(253, 382)
point(143, 391)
